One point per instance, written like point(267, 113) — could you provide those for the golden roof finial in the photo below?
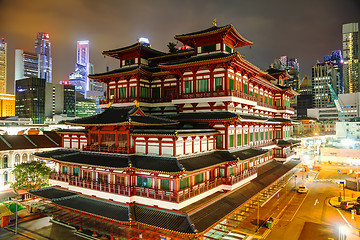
point(110, 101)
point(214, 22)
point(137, 40)
point(109, 104)
point(137, 103)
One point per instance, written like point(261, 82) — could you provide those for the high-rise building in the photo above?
point(43, 48)
point(3, 64)
point(83, 68)
point(26, 64)
point(336, 60)
point(351, 76)
point(304, 100)
point(291, 65)
point(323, 73)
point(30, 99)
point(69, 100)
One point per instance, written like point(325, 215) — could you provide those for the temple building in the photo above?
point(181, 134)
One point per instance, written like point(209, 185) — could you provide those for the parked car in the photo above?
point(302, 189)
point(345, 205)
point(358, 200)
point(356, 207)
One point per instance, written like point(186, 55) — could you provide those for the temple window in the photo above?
point(184, 183)
point(165, 184)
point(76, 171)
point(266, 100)
point(257, 96)
point(144, 92)
point(262, 136)
point(238, 140)
point(156, 92)
point(199, 178)
point(87, 175)
point(129, 61)
point(187, 86)
point(231, 138)
point(219, 84)
point(122, 140)
point(94, 139)
point(203, 85)
point(208, 48)
point(122, 92)
point(231, 84)
point(112, 91)
point(64, 170)
point(245, 166)
point(5, 161)
point(245, 88)
point(133, 91)
point(102, 178)
point(245, 139)
point(278, 134)
point(228, 49)
point(222, 172)
point(231, 171)
point(120, 180)
point(256, 136)
point(144, 182)
point(219, 141)
point(107, 140)
point(251, 137)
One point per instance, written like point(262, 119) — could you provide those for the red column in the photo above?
point(116, 90)
point(174, 146)
point(211, 79)
point(160, 145)
point(226, 79)
point(226, 135)
point(138, 87)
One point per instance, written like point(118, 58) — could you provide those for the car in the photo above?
point(356, 207)
point(346, 205)
point(358, 199)
point(302, 189)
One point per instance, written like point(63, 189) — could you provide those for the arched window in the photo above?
point(24, 157)
point(6, 178)
point(17, 159)
point(31, 157)
point(5, 161)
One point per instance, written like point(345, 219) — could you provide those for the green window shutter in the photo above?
point(257, 96)
point(122, 92)
point(270, 134)
point(208, 48)
point(239, 139)
point(133, 92)
point(222, 172)
point(228, 49)
point(245, 89)
point(266, 100)
point(251, 93)
point(203, 85)
point(231, 137)
point(144, 182)
point(165, 184)
point(251, 137)
point(231, 84)
point(156, 92)
point(245, 139)
point(112, 91)
point(199, 178)
point(184, 183)
point(144, 92)
point(76, 171)
point(187, 86)
point(64, 170)
point(246, 166)
point(219, 142)
point(231, 171)
point(219, 84)
point(129, 61)
point(266, 135)
point(262, 136)
point(256, 136)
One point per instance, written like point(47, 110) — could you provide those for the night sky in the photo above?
point(304, 29)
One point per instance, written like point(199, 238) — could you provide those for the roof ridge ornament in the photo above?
point(214, 22)
point(137, 103)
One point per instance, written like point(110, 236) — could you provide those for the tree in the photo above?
point(30, 175)
point(172, 47)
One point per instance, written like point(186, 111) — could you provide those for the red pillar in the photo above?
point(4, 221)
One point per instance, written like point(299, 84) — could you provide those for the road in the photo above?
point(316, 218)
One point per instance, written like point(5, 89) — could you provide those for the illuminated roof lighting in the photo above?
point(83, 42)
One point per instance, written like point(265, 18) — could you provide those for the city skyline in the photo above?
point(275, 28)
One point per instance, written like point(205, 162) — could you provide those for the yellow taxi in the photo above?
point(302, 189)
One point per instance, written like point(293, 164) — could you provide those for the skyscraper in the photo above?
point(87, 87)
point(43, 48)
point(336, 60)
point(323, 73)
point(26, 64)
point(351, 57)
point(3, 63)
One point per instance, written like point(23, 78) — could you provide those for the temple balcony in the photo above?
point(108, 149)
point(285, 108)
point(284, 156)
point(219, 93)
point(183, 195)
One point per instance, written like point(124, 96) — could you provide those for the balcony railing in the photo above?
point(284, 155)
point(285, 108)
point(109, 149)
point(266, 105)
point(170, 196)
point(267, 143)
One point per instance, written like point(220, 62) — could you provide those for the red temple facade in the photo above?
point(178, 128)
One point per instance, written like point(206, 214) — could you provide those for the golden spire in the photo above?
point(110, 101)
point(137, 103)
point(214, 22)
